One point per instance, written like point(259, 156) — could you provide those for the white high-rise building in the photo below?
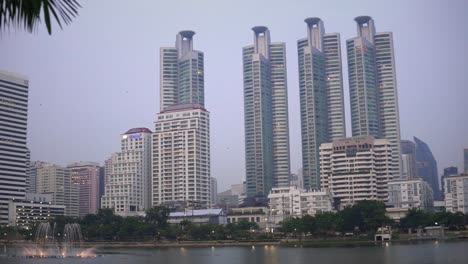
point(13, 133)
point(54, 179)
point(456, 193)
point(356, 169)
point(214, 190)
point(128, 174)
point(413, 193)
point(181, 156)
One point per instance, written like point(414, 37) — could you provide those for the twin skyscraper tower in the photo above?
point(183, 124)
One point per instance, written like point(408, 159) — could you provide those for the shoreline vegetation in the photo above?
point(354, 225)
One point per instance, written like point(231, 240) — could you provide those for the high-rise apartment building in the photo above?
point(321, 96)
point(54, 179)
point(181, 77)
point(408, 160)
point(356, 169)
point(373, 87)
point(265, 114)
point(13, 133)
point(32, 181)
point(181, 156)
point(128, 174)
point(86, 176)
point(427, 167)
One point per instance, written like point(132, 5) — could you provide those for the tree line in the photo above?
point(364, 217)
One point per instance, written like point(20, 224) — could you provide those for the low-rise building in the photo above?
point(202, 216)
point(456, 193)
point(258, 215)
point(34, 209)
point(288, 202)
point(407, 194)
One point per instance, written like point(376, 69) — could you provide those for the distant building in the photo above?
point(356, 169)
point(232, 197)
point(296, 181)
point(408, 158)
point(214, 190)
point(265, 114)
point(465, 159)
point(181, 156)
point(408, 194)
point(35, 208)
point(427, 167)
point(289, 202)
point(204, 216)
point(128, 174)
point(32, 182)
point(13, 135)
point(86, 176)
point(55, 180)
point(456, 193)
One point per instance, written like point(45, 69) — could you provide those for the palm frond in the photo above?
point(26, 14)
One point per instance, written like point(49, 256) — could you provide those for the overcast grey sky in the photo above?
point(100, 76)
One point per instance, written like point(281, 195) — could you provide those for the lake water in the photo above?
point(421, 253)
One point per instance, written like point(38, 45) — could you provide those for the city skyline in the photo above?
point(416, 97)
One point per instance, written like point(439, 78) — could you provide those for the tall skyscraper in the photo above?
point(128, 174)
point(427, 166)
point(181, 156)
point(373, 87)
point(321, 96)
point(181, 77)
point(54, 179)
point(13, 133)
point(356, 169)
point(86, 176)
point(265, 114)
point(408, 160)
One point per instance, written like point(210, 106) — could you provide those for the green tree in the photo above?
point(158, 216)
point(28, 13)
point(415, 218)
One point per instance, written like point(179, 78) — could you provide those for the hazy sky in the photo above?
point(100, 76)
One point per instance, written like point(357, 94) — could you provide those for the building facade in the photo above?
point(86, 176)
point(35, 208)
point(356, 169)
point(408, 194)
point(373, 87)
point(408, 160)
point(265, 114)
point(182, 73)
point(289, 202)
point(321, 96)
point(13, 135)
point(55, 180)
point(456, 193)
point(181, 156)
point(427, 167)
point(128, 174)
